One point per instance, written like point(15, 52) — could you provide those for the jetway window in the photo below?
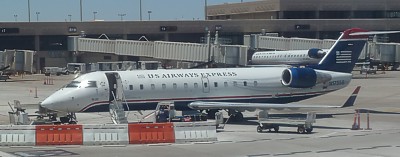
point(244, 83)
point(185, 85)
point(215, 84)
point(174, 85)
point(153, 86)
point(141, 87)
point(164, 86)
point(130, 87)
point(226, 84)
point(196, 85)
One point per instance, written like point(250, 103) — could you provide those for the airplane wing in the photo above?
point(264, 106)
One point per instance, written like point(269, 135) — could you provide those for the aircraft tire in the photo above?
point(309, 130)
point(64, 120)
point(301, 130)
point(276, 128)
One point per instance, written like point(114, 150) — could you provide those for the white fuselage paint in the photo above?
point(149, 86)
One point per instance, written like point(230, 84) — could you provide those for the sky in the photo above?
point(108, 10)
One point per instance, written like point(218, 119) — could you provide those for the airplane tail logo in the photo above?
point(344, 54)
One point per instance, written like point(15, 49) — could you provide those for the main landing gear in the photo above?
point(234, 115)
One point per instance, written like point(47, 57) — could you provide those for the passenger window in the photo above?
point(226, 84)
point(164, 86)
point(234, 83)
point(141, 86)
point(244, 83)
point(215, 84)
point(255, 83)
point(205, 85)
point(185, 85)
point(153, 86)
point(130, 87)
point(174, 85)
point(196, 85)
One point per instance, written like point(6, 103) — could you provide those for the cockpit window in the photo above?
point(84, 84)
point(90, 84)
point(73, 84)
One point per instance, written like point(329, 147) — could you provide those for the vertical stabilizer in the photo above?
point(343, 55)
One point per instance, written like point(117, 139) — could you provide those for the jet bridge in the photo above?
point(179, 51)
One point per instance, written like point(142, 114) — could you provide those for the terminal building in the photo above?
point(321, 19)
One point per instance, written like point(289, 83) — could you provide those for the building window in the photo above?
point(141, 87)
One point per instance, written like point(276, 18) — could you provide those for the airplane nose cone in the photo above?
point(47, 103)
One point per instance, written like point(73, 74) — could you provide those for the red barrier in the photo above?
point(59, 135)
point(145, 133)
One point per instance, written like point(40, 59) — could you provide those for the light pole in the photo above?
point(69, 15)
point(205, 9)
point(122, 16)
point(140, 9)
point(94, 15)
point(37, 16)
point(29, 10)
point(149, 14)
point(15, 17)
point(81, 9)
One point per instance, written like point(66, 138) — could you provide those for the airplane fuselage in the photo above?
point(143, 89)
point(291, 57)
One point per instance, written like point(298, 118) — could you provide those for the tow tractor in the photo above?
point(304, 125)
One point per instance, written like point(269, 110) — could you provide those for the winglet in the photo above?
point(350, 101)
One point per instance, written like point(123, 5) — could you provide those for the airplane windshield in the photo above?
point(73, 84)
point(83, 84)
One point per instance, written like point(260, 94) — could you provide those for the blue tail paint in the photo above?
point(344, 54)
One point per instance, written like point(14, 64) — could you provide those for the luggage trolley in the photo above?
point(304, 125)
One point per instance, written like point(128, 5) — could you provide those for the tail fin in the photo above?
point(343, 55)
point(350, 101)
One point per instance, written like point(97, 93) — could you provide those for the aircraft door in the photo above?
point(112, 85)
point(205, 84)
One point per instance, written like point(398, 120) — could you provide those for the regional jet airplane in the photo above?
point(291, 57)
point(266, 86)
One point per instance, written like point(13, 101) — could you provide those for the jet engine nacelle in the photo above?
point(316, 53)
point(303, 77)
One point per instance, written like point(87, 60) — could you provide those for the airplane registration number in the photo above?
point(336, 83)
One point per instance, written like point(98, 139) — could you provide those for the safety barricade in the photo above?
point(59, 135)
point(17, 135)
point(98, 134)
point(146, 133)
point(195, 131)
